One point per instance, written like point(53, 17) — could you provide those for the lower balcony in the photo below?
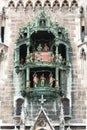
point(35, 94)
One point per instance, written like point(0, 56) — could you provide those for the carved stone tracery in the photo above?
point(47, 4)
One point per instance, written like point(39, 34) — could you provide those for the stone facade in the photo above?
point(70, 14)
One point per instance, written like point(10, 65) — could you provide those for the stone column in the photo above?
point(28, 30)
point(62, 120)
point(31, 114)
point(27, 57)
point(57, 68)
point(17, 57)
point(57, 51)
point(28, 50)
point(56, 43)
point(28, 44)
point(0, 108)
point(22, 127)
point(57, 77)
point(27, 77)
point(67, 55)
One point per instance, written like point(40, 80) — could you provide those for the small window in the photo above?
point(19, 103)
point(83, 54)
point(66, 107)
point(82, 33)
point(81, 10)
point(2, 33)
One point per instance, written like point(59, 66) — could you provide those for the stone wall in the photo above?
point(16, 18)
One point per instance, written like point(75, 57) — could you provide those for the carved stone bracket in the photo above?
point(3, 51)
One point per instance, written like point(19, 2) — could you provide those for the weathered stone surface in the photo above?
point(20, 18)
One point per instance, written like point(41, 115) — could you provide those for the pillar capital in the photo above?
point(57, 41)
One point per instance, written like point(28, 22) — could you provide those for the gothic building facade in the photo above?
point(43, 59)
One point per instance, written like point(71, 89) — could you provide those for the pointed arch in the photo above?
point(56, 5)
point(62, 52)
point(38, 3)
point(19, 103)
point(20, 4)
point(65, 4)
point(82, 29)
point(47, 3)
point(23, 53)
point(83, 54)
point(66, 106)
point(11, 4)
point(74, 4)
point(29, 4)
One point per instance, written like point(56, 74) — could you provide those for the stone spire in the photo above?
point(22, 125)
point(62, 121)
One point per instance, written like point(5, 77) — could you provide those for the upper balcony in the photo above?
point(42, 44)
point(42, 56)
point(41, 59)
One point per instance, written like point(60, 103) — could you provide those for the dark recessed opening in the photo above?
point(23, 53)
point(2, 34)
point(62, 52)
point(82, 33)
point(42, 37)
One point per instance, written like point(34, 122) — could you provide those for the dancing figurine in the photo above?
point(42, 78)
point(35, 79)
point(51, 79)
